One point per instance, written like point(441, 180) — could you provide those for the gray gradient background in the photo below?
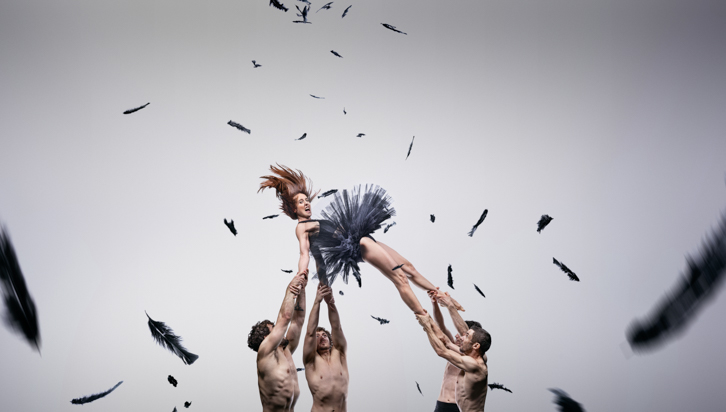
point(607, 115)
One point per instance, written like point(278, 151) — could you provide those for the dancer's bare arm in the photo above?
point(272, 341)
point(447, 301)
point(465, 363)
point(298, 317)
point(439, 317)
point(335, 329)
point(311, 341)
point(302, 237)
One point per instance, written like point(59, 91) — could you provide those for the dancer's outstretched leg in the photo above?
point(409, 269)
point(377, 256)
point(413, 274)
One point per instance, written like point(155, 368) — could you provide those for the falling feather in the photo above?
point(419, 388)
point(172, 380)
point(361, 134)
point(388, 226)
point(302, 137)
point(567, 270)
point(680, 306)
point(346, 11)
point(543, 222)
point(239, 126)
point(336, 53)
point(300, 369)
point(20, 315)
point(164, 336)
point(389, 27)
point(479, 222)
point(255, 65)
point(230, 226)
point(270, 217)
point(341, 292)
point(328, 193)
point(498, 386)
point(276, 4)
point(91, 398)
point(286, 271)
point(433, 218)
point(410, 147)
point(478, 290)
point(136, 109)
point(566, 403)
point(450, 279)
point(381, 320)
point(316, 97)
point(325, 6)
point(397, 267)
point(187, 404)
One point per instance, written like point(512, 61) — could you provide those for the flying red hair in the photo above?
point(287, 184)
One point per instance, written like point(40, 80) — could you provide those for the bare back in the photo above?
point(277, 380)
point(328, 381)
point(471, 388)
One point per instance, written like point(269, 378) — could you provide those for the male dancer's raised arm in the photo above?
point(298, 318)
point(446, 401)
point(325, 357)
point(276, 374)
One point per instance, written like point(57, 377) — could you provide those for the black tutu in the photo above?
point(350, 217)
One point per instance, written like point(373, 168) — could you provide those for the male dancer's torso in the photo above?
point(328, 382)
point(277, 380)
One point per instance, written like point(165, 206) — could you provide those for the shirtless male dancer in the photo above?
point(276, 372)
point(325, 357)
point(471, 383)
point(447, 397)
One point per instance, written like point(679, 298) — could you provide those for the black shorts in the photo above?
point(446, 407)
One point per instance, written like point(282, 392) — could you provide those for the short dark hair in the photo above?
point(483, 338)
point(322, 329)
point(471, 323)
point(258, 333)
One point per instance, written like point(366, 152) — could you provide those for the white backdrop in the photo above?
point(606, 115)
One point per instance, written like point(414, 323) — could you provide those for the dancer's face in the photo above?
point(467, 346)
point(302, 206)
point(323, 341)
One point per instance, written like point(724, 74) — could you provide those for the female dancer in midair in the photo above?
point(342, 238)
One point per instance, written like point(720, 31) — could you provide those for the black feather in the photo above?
point(389, 27)
point(172, 380)
point(230, 225)
point(164, 336)
point(361, 134)
point(91, 398)
point(254, 63)
point(478, 290)
point(450, 279)
point(344, 112)
point(381, 320)
point(567, 270)
point(680, 306)
point(270, 217)
point(419, 388)
point(346, 11)
point(317, 97)
point(276, 4)
point(498, 386)
point(239, 126)
point(303, 13)
point(336, 53)
point(187, 404)
point(302, 137)
point(409, 148)
point(341, 292)
point(543, 222)
point(479, 222)
point(385, 230)
point(566, 403)
point(300, 369)
point(136, 109)
point(286, 271)
point(21, 315)
point(398, 267)
point(326, 6)
point(433, 218)
point(328, 193)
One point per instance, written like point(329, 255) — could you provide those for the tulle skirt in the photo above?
point(347, 219)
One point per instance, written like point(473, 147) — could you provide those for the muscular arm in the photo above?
point(311, 342)
point(445, 300)
point(302, 237)
point(335, 329)
point(439, 318)
point(272, 341)
point(465, 363)
point(298, 318)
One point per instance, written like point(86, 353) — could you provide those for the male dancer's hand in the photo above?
point(319, 294)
